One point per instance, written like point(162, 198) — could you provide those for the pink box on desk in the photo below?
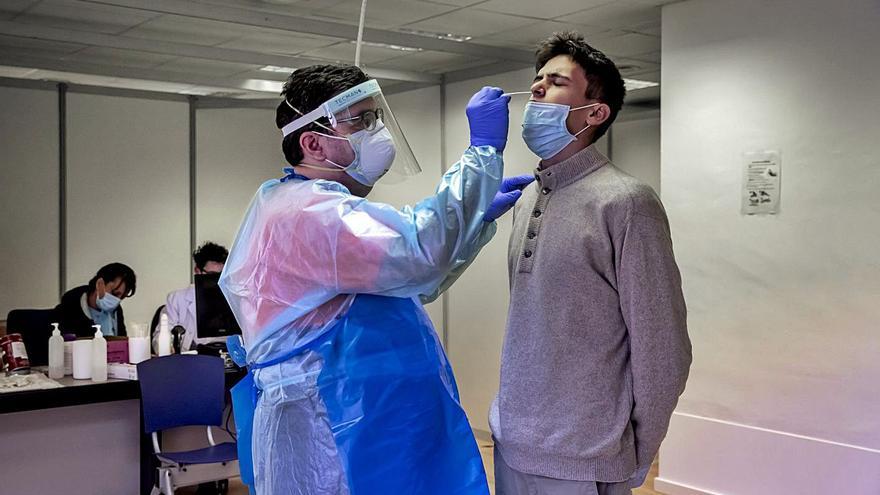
point(117, 350)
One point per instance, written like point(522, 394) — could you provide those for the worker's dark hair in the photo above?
point(603, 79)
point(209, 251)
point(305, 89)
point(113, 271)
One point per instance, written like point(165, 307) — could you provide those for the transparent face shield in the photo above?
point(363, 110)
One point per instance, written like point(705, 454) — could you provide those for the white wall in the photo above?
point(128, 194)
point(237, 149)
point(636, 147)
point(783, 309)
point(28, 199)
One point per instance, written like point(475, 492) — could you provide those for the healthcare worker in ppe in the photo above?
point(352, 391)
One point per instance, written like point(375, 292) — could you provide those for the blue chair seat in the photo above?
point(224, 452)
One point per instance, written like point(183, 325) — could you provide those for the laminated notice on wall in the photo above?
point(762, 182)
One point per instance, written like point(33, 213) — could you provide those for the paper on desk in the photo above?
point(34, 381)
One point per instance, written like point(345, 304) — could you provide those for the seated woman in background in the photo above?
point(98, 302)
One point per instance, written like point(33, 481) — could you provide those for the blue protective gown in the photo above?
point(355, 393)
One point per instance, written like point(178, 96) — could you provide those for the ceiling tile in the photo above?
point(205, 67)
point(656, 3)
point(654, 28)
point(279, 42)
point(630, 67)
point(648, 57)
point(458, 3)
point(70, 14)
point(470, 22)
point(648, 76)
point(539, 9)
point(622, 14)
point(461, 65)
point(429, 61)
point(503, 43)
point(267, 75)
point(15, 6)
point(119, 58)
point(12, 43)
point(384, 13)
point(181, 29)
point(283, 7)
point(344, 52)
point(529, 36)
point(627, 44)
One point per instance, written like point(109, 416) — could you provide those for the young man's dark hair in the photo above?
point(603, 79)
point(207, 252)
point(305, 89)
point(113, 271)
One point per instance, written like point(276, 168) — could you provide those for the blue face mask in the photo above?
point(544, 129)
point(108, 303)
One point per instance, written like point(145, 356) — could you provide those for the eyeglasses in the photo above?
point(366, 120)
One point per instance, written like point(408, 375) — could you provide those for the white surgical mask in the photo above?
point(544, 129)
point(374, 152)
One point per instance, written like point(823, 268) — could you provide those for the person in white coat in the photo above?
point(180, 306)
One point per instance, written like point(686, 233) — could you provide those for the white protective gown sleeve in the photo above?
point(303, 244)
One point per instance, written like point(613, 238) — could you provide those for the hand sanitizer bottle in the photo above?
point(164, 336)
point(56, 354)
point(99, 356)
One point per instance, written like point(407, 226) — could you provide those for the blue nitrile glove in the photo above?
point(488, 117)
point(506, 197)
point(236, 350)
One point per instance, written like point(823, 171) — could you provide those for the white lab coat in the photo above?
point(180, 306)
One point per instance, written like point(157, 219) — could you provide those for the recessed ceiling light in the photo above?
point(392, 47)
point(263, 85)
point(636, 84)
point(275, 68)
point(440, 36)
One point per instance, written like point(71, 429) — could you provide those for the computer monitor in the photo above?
point(214, 317)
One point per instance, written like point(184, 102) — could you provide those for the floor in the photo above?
point(236, 487)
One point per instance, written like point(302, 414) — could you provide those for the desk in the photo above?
point(82, 439)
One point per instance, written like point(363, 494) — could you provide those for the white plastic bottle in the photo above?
point(56, 354)
point(68, 357)
point(99, 356)
point(164, 336)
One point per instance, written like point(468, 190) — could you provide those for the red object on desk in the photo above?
point(14, 354)
point(117, 350)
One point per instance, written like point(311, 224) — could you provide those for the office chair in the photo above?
point(186, 390)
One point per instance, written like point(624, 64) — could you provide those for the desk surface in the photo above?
point(73, 393)
point(78, 392)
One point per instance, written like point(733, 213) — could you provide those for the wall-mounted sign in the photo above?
point(762, 182)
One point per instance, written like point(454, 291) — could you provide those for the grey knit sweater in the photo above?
point(596, 352)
